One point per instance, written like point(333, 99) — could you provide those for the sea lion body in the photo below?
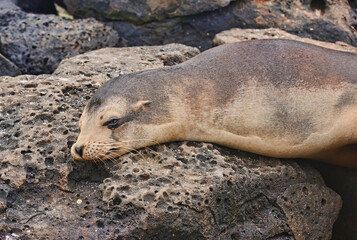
point(277, 98)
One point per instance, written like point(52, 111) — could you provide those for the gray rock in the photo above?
point(171, 191)
point(140, 11)
point(332, 21)
point(9, 12)
point(7, 68)
point(37, 43)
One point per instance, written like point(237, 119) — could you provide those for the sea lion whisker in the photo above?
point(109, 158)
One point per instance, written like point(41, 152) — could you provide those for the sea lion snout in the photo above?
point(77, 151)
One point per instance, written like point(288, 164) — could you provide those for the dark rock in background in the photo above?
point(344, 182)
point(329, 21)
point(140, 11)
point(172, 191)
point(7, 68)
point(38, 6)
point(37, 43)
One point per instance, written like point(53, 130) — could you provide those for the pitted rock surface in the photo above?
point(9, 12)
point(37, 43)
point(322, 20)
point(141, 11)
point(45, 195)
point(107, 63)
point(202, 191)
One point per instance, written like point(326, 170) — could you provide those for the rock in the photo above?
point(107, 63)
point(171, 191)
point(202, 191)
point(7, 68)
point(37, 43)
point(344, 182)
point(331, 21)
point(9, 12)
point(238, 35)
point(140, 11)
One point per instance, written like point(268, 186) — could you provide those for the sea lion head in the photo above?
point(112, 124)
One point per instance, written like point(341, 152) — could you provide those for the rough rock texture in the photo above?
point(174, 191)
point(9, 12)
point(238, 35)
point(140, 11)
point(330, 21)
point(344, 182)
point(7, 68)
point(37, 43)
point(202, 191)
point(107, 63)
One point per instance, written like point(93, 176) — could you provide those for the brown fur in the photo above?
point(278, 98)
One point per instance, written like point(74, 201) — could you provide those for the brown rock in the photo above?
point(107, 63)
point(238, 35)
point(141, 11)
point(174, 191)
point(202, 191)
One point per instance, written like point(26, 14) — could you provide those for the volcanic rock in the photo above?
point(140, 11)
point(37, 43)
point(330, 21)
point(171, 191)
point(7, 68)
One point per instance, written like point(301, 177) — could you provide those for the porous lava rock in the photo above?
point(107, 63)
point(7, 68)
point(171, 191)
point(318, 19)
point(141, 11)
point(237, 35)
point(37, 43)
point(202, 191)
point(9, 12)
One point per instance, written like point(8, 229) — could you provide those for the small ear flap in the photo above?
point(142, 104)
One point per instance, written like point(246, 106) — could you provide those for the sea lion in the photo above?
point(278, 98)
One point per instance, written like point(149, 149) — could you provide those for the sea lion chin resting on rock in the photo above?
point(278, 98)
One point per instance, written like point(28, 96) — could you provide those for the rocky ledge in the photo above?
point(171, 191)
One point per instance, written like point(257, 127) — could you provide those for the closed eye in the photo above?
point(112, 123)
point(116, 122)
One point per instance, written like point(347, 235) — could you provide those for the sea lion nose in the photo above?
point(79, 150)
